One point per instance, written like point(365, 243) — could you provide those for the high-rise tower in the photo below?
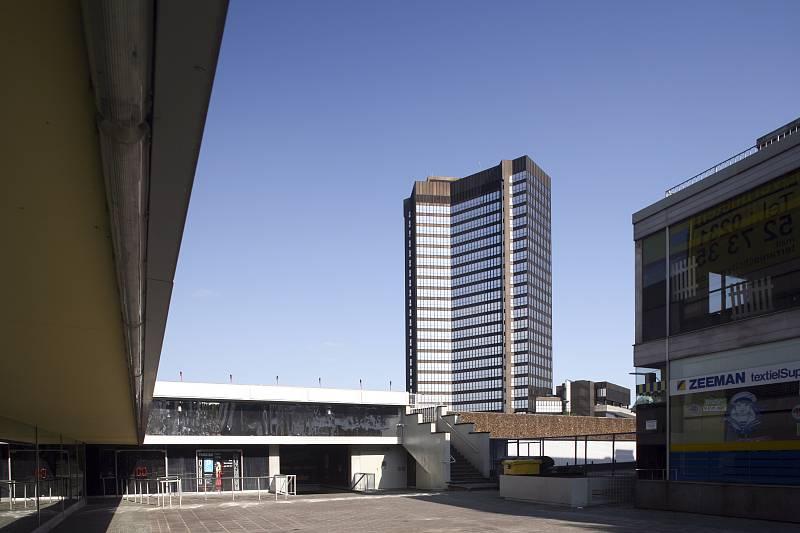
point(478, 288)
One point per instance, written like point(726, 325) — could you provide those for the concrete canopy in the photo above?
point(65, 365)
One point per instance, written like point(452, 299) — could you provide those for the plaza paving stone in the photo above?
point(476, 512)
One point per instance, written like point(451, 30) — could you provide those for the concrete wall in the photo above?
point(561, 491)
point(274, 460)
point(388, 463)
point(430, 449)
point(572, 491)
point(473, 446)
point(768, 502)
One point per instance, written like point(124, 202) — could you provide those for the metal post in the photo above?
point(576, 451)
point(585, 451)
point(613, 452)
point(258, 487)
point(665, 378)
point(10, 484)
point(36, 480)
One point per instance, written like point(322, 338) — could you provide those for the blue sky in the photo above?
point(324, 113)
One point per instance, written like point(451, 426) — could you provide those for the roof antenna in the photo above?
point(276, 380)
point(181, 374)
point(320, 381)
point(230, 376)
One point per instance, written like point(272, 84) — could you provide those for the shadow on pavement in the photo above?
point(605, 517)
point(95, 516)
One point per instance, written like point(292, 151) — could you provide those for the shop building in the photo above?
point(717, 345)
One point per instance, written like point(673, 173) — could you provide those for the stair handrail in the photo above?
point(460, 436)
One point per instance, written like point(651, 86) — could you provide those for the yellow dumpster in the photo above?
point(522, 467)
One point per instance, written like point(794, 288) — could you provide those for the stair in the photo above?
point(464, 476)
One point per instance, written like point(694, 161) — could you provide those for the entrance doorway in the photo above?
point(140, 465)
point(319, 468)
point(219, 470)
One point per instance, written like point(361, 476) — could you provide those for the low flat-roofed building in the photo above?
point(324, 436)
point(590, 398)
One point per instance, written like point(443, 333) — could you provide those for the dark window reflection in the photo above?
point(654, 287)
point(197, 417)
point(738, 259)
point(735, 260)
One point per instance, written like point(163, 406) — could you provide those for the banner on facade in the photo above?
point(733, 379)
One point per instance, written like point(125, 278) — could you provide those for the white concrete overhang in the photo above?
point(104, 115)
point(228, 440)
point(274, 393)
point(188, 37)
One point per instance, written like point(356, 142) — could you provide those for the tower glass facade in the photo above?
point(478, 291)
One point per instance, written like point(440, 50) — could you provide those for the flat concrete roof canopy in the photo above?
point(275, 393)
point(66, 359)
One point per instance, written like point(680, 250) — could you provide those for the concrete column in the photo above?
point(274, 462)
point(508, 289)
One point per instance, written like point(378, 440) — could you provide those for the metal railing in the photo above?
point(583, 455)
point(163, 488)
point(454, 431)
point(49, 490)
point(428, 413)
point(713, 170)
point(655, 474)
point(363, 482)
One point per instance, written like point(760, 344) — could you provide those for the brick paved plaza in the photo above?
point(407, 513)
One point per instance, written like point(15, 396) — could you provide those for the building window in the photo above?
point(737, 259)
point(654, 287)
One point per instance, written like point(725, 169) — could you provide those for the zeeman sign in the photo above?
point(763, 375)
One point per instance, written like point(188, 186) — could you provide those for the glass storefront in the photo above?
point(735, 416)
point(41, 475)
point(203, 417)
